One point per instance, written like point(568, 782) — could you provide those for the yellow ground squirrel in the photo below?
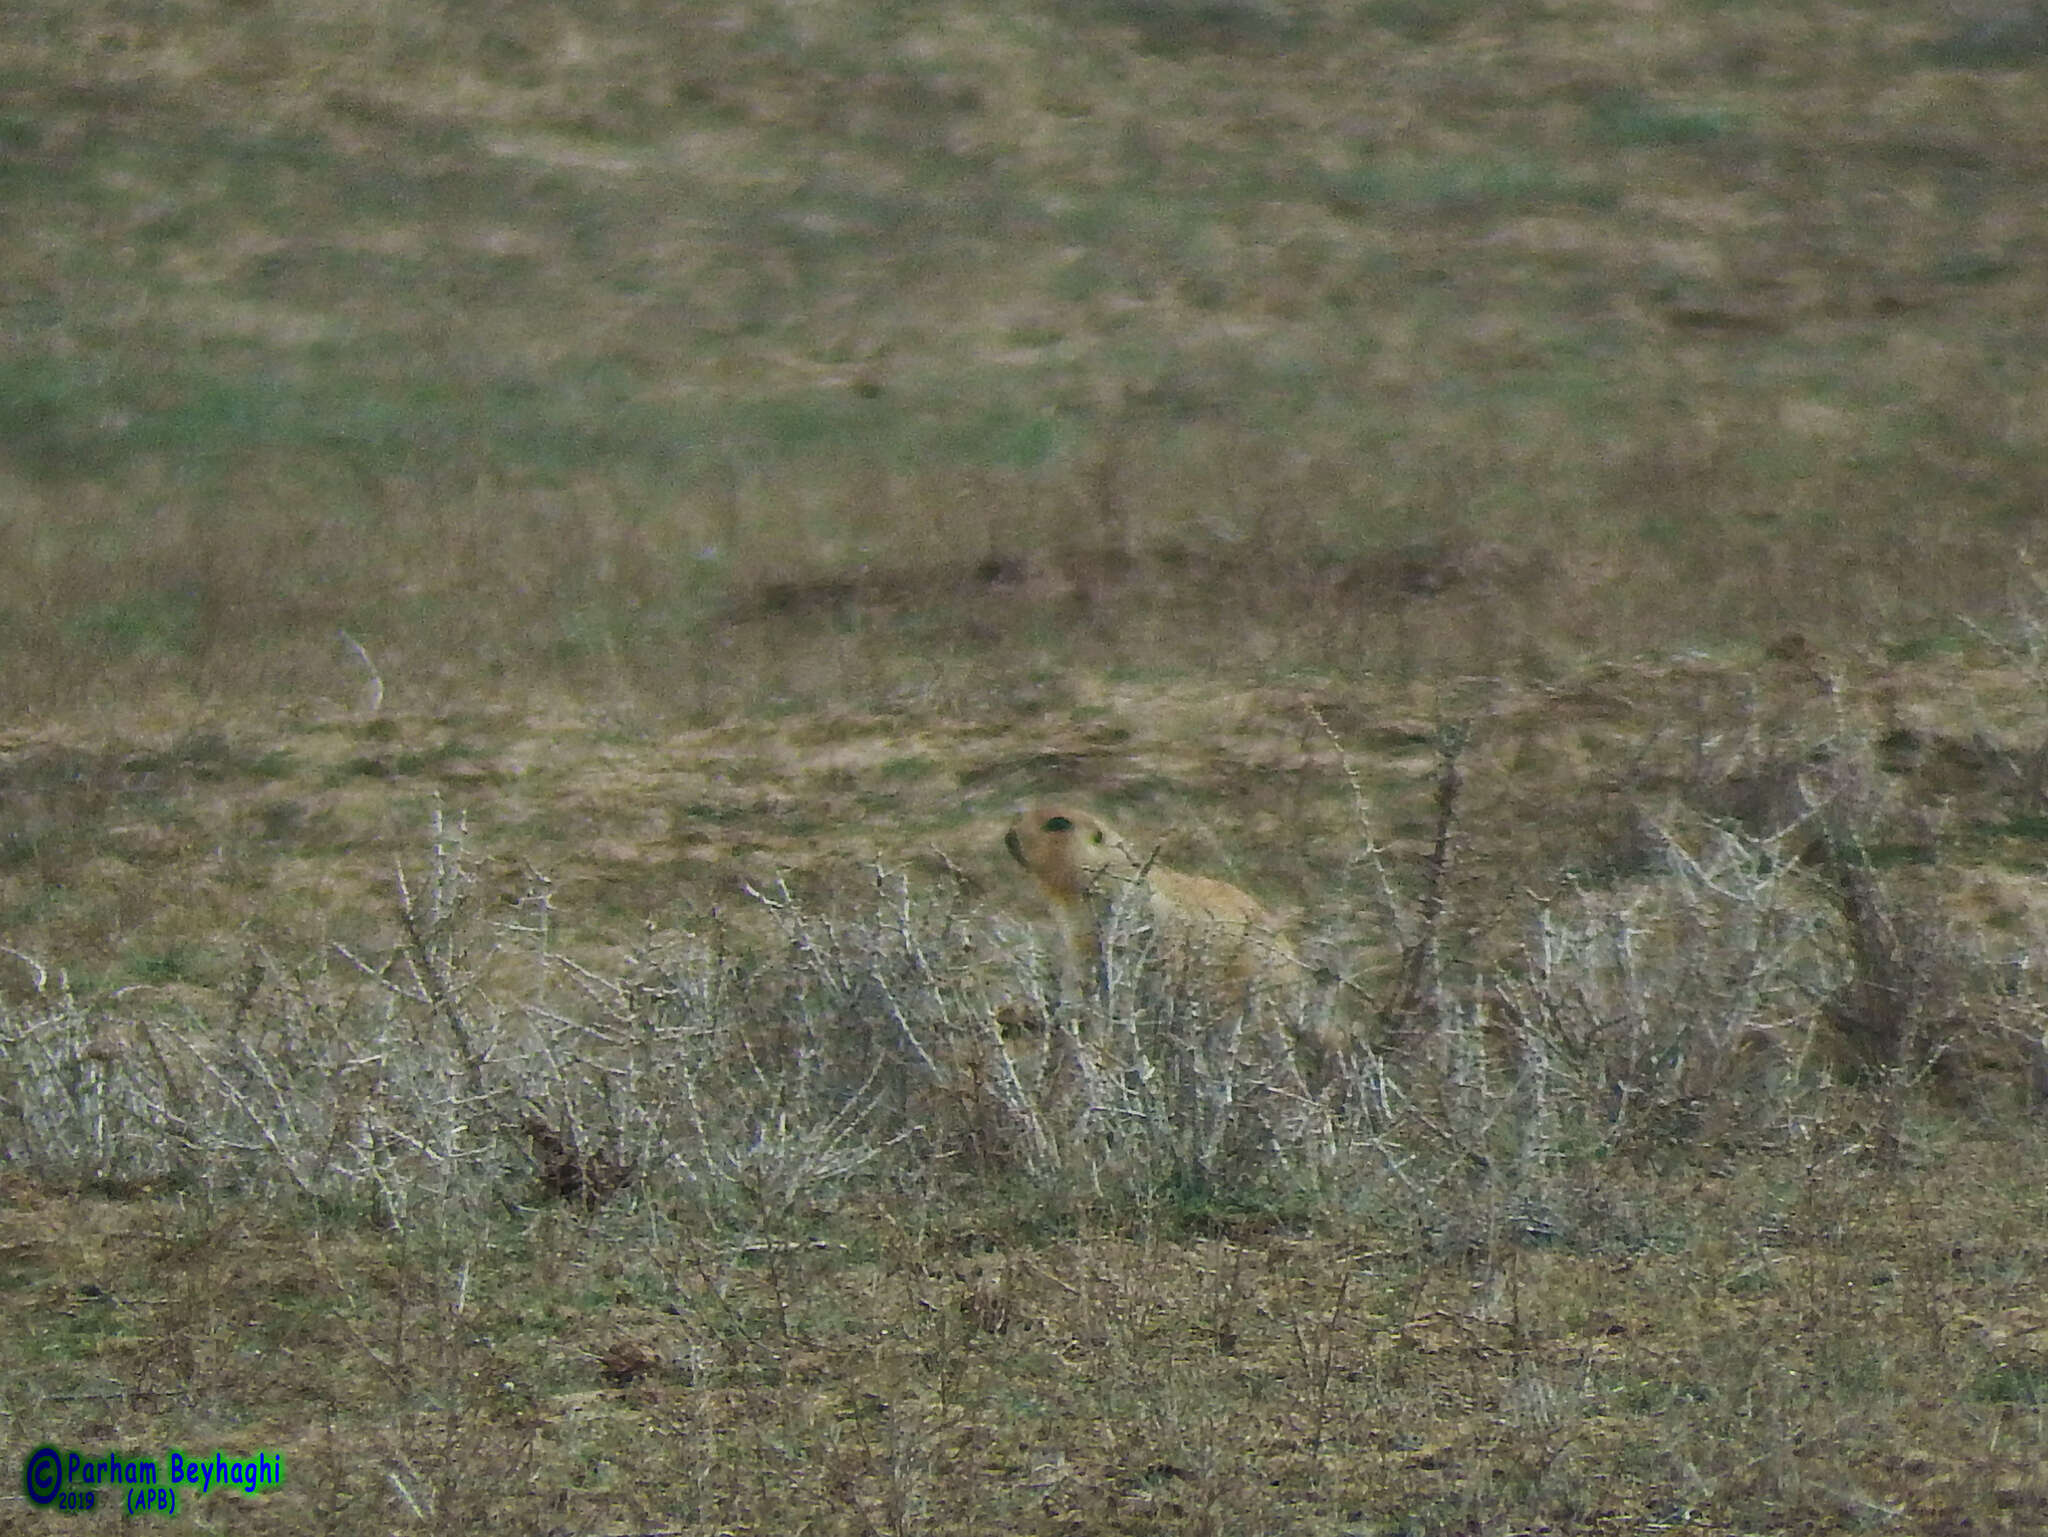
point(1087, 870)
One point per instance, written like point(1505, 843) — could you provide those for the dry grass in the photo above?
point(887, 1238)
point(697, 359)
point(539, 547)
point(1772, 1359)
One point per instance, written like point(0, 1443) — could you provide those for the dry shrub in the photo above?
point(914, 1043)
point(1678, 1006)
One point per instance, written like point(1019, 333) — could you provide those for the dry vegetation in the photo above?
point(540, 545)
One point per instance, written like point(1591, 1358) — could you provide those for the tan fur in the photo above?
point(1086, 869)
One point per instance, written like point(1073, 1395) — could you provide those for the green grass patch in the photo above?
point(2024, 1385)
point(1424, 21)
point(1631, 120)
point(144, 624)
point(177, 962)
point(1466, 187)
point(1931, 643)
point(1180, 28)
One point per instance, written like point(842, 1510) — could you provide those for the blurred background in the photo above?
point(694, 356)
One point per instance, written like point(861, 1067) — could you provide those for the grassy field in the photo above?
point(541, 544)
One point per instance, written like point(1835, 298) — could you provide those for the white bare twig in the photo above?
point(371, 700)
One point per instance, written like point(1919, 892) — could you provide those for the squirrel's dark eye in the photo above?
point(1058, 825)
point(1098, 836)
